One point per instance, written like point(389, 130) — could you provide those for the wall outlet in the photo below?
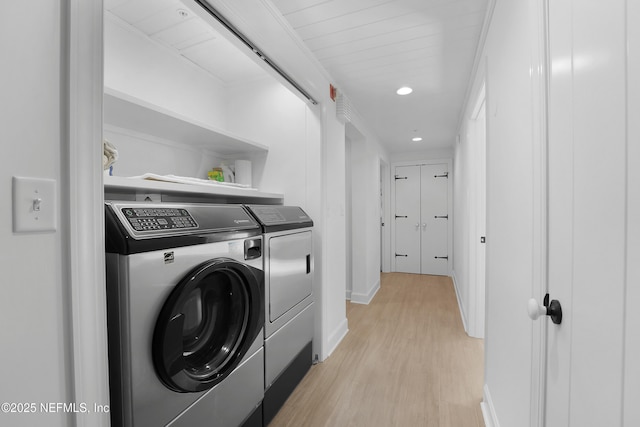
point(35, 205)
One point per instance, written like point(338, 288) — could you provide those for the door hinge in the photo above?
point(442, 216)
point(400, 177)
point(444, 175)
point(441, 257)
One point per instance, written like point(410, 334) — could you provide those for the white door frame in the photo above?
point(83, 206)
point(476, 313)
point(540, 84)
point(448, 161)
point(385, 248)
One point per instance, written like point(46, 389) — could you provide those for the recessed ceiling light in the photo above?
point(404, 90)
point(416, 139)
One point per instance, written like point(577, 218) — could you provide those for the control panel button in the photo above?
point(159, 219)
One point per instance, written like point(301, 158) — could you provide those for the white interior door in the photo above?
point(434, 221)
point(593, 206)
point(407, 218)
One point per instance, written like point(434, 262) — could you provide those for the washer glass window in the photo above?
point(215, 319)
point(206, 325)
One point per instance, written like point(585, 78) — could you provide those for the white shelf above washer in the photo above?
point(123, 188)
point(126, 111)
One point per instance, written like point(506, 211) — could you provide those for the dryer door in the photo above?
point(290, 278)
point(207, 324)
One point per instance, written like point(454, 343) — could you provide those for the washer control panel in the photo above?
point(155, 219)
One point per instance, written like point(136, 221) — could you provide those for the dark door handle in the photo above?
point(442, 216)
point(552, 309)
point(402, 255)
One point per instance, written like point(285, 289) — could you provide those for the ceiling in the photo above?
point(370, 48)
point(373, 47)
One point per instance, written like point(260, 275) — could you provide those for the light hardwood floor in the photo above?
point(406, 361)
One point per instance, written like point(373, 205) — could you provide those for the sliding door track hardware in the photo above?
point(244, 39)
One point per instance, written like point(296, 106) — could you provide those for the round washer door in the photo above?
point(207, 324)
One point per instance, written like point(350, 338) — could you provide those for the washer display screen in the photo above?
point(153, 219)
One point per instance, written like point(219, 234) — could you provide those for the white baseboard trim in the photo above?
point(348, 294)
point(357, 298)
point(488, 410)
point(336, 338)
point(463, 314)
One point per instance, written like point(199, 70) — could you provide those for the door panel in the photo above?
point(434, 206)
point(289, 272)
point(587, 212)
point(631, 416)
point(407, 238)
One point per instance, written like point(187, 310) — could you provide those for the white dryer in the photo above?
point(185, 294)
point(289, 324)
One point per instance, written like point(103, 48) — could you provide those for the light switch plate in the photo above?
point(34, 204)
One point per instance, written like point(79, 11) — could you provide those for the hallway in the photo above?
point(406, 361)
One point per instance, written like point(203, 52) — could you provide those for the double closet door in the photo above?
point(422, 219)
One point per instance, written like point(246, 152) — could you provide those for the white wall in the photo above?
point(366, 154)
point(267, 112)
point(139, 67)
point(334, 254)
point(462, 187)
point(422, 154)
point(35, 365)
point(466, 203)
point(139, 153)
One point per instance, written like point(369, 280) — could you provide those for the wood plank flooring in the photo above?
point(406, 361)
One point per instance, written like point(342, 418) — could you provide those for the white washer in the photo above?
point(185, 294)
point(288, 330)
